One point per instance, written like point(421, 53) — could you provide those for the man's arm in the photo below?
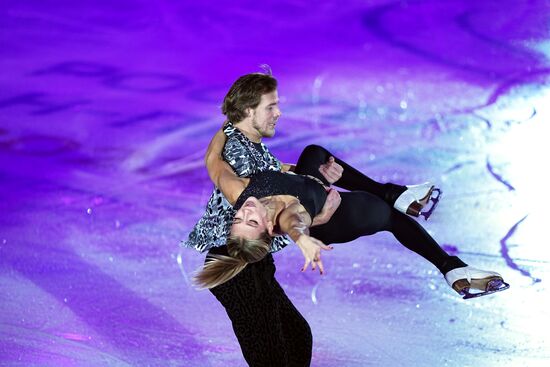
point(331, 170)
point(331, 204)
point(220, 172)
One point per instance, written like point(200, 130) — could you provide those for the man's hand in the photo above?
point(311, 249)
point(331, 204)
point(331, 170)
point(288, 167)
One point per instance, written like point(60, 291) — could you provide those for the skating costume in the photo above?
point(246, 158)
point(309, 191)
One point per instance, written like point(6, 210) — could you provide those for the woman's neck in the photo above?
point(274, 205)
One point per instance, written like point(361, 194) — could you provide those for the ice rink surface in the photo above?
point(106, 110)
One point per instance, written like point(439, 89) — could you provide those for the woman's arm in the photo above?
point(295, 221)
point(220, 172)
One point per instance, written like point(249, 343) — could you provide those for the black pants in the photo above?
point(270, 330)
point(369, 210)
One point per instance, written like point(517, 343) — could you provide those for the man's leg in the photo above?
point(296, 331)
point(262, 318)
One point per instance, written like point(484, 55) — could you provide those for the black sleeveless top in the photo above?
point(312, 194)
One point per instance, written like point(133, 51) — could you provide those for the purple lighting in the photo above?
point(106, 111)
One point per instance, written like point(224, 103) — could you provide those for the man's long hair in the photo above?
point(246, 93)
point(219, 269)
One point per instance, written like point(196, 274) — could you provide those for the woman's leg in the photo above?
point(313, 156)
point(361, 214)
point(270, 331)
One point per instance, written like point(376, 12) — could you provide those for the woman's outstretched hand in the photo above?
point(311, 249)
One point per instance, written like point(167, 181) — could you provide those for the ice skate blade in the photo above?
point(493, 286)
point(435, 200)
point(423, 201)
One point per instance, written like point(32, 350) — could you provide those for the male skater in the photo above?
point(254, 296)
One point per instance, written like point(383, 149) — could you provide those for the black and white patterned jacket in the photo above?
point(212, 229)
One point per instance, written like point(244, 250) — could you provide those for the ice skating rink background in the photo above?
point(106, 109)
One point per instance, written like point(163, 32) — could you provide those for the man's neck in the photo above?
point(251, 133)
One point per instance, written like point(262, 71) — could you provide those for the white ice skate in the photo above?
point(462, 280)
point(415, 198)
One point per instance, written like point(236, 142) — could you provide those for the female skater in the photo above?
point(273, 203)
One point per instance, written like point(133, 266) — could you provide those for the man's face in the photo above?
point(265, 116)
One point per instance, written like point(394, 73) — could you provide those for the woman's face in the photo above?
point(250, 221)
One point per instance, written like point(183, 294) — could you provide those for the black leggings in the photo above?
point(367, 211)
point(353, 180)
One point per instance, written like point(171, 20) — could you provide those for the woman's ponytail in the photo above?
point(219, 269)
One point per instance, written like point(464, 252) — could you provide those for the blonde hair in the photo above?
point(219, 269)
